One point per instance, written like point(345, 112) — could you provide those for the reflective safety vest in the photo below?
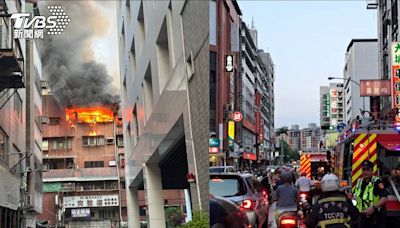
point(368, 199)
point(333, 219)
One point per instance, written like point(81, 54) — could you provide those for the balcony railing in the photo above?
point(11, 56)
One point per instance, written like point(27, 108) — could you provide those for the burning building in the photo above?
point(83, 152)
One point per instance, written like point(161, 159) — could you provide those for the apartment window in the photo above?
point(148, 92)
point(3, 147)
point(93, 140)
point(120, 140)
point(94, 164)
point(54, 120)
point(45, 144)
point(18, 105)
point(141, 26)
point(213, 22)
point(163, 59)
point(58, 143)
point(128, 12)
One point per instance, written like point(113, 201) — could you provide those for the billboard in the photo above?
point(374, 88)
point(231, 133)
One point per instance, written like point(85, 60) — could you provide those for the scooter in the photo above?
point(304, 205)
point(289, 218)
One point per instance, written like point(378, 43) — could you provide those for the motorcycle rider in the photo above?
point(333, 209)
point(286, 195)
point(304, 184)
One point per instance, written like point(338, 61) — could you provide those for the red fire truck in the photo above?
point(382, 147)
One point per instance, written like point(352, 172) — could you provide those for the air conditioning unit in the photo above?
point(79, 188)
point(28, 200)
point(112, 163)
point(43, 119)
point(44, 84)
point(110, 140)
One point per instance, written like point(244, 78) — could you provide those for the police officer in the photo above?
point(371, 196)
point(333, 209)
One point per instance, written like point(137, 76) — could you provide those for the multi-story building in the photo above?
point(20, 111)
point(294, 138)
point(310, 138)
point(84, 155)
point(324, 112)
point(361, 64)
point(268, 101)
point(388, 32)
point(255, 98)
point(224, 41)
point(331, 105)
point(164, 59)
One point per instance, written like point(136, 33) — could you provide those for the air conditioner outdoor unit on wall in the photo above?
point(28, 200)
point(44, 119)
point(112, 163)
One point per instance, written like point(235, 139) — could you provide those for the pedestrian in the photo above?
point(371, 196)
point(333, 209)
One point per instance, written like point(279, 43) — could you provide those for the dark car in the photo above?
point(226, 214)
point(245, 191)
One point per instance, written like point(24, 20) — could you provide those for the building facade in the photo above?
point(331, 105)
point(310, 138)
point(20, 111)
point(361, 64)
point(83, 153)
point(388, 32)
point(324, 111)
point(164, 58)
point(224, 24)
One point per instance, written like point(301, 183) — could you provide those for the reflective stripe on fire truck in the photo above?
point(305, 164)
point(365, 147)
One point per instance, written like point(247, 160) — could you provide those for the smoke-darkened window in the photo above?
point(93, 140)
point(94, 164)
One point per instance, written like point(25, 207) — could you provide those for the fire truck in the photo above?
point(377, 141)
point(315, 164)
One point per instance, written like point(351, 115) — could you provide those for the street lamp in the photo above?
point(349, 79)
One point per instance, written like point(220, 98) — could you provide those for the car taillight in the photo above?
point(247, 204)
point(288, 222)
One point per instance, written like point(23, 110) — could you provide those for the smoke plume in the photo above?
point(75, 78)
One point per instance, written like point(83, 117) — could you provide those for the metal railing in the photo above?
point(7, 41)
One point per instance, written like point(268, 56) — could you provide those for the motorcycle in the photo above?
point(304, 205)
point(289, 218)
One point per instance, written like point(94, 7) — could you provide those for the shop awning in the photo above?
point(391, 145)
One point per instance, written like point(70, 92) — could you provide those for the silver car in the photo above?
point(244, 190)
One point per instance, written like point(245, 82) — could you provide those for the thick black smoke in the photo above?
point(74, 77)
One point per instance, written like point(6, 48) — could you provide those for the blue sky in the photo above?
point(307, 41)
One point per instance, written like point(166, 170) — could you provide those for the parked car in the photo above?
point(226, 214)
point(245, 191)
point(222, 169)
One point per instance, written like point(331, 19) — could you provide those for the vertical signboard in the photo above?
point(395, 75)
point(231, 134)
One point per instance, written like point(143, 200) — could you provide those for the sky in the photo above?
point(307, 41)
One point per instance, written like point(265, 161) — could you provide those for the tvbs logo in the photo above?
point(26, 27)
point(39, 22)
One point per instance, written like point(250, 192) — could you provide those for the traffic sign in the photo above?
point(237, 116)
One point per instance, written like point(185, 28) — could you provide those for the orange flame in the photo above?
point(89, 115)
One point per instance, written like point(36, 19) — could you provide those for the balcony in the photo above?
point(11, 57)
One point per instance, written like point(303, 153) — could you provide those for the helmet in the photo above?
point(286, 177)
point(329, 183)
